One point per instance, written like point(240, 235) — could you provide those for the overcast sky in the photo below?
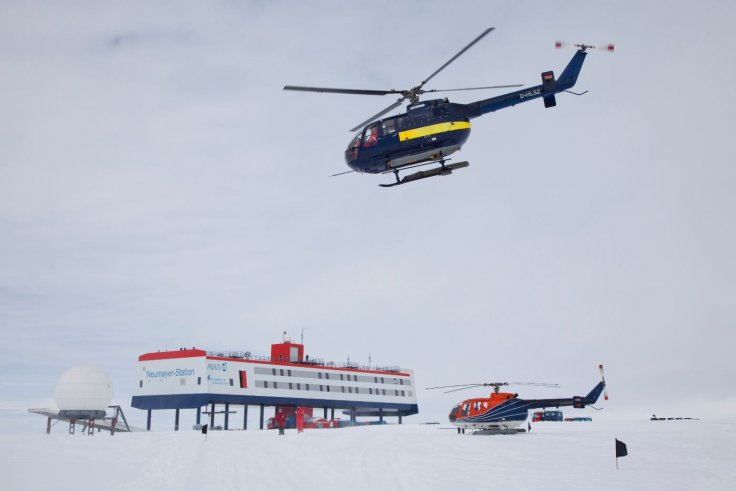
point(158, 189)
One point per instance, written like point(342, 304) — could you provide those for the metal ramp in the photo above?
point(117, 422)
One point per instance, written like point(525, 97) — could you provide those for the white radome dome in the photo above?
point(84, 387)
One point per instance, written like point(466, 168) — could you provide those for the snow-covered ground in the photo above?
point(662, 455)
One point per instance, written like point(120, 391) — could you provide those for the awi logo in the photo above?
point(217, 367)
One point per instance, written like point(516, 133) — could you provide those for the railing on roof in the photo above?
point(246, 355)
point(357, 366)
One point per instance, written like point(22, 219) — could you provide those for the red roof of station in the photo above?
point(276, 349)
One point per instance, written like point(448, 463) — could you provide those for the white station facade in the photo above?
point(195, 378)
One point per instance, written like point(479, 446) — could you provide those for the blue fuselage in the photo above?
point(428, 131)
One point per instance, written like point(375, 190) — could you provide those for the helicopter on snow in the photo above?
point(431, 130)
point(504, 411)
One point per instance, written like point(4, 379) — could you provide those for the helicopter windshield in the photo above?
point(355, 143)
point(352, 151)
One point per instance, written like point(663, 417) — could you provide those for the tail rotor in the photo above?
point(603, 379)
point(584, 47)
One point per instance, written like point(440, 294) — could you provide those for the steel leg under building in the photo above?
point(199, 415)
point(176, 421)
point(261, 416)
point(148, 421)
point(245, 416)
point(227, 415)
point(212, 416)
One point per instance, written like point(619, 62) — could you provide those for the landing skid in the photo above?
point(499, 431)
point(442, 170)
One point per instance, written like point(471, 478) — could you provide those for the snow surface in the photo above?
point(662, 455)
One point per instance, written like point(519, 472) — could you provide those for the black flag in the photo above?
point(204, 432)
point(620, 449)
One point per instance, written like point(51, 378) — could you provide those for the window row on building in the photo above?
point(265, 384)
point(349, 377)
point(182, 381)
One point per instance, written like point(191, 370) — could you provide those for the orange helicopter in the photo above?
point(505, 411)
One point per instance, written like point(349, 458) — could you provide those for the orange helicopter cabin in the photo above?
point(473, 407)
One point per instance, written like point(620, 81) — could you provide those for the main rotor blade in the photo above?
point(340, 91)
point(457, 55)
point(463, 388)
point(538, 384)
point(448, 386)
point(376, 116)
point(476, 88)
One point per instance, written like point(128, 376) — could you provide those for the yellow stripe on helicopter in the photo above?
point(433, 129)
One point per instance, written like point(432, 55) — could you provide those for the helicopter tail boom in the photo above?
point(546, 90)
point(578, 402)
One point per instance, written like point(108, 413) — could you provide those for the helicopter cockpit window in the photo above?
point(371, 136)
point(389, 127)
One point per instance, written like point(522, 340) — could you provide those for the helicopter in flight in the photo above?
point(504, 411)
point(431, 130)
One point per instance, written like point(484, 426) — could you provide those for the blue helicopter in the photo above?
point(431, 130)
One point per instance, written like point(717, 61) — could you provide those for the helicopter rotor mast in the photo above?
point(412, 95)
